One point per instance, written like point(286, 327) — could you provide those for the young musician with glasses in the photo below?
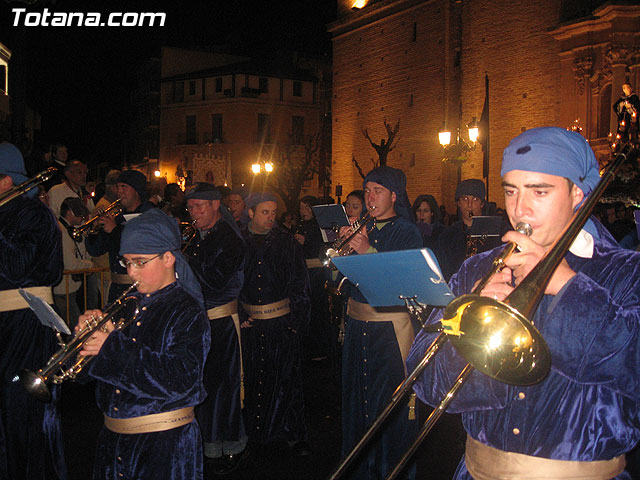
point(149, 374)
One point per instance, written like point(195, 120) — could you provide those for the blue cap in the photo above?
point(12, 163)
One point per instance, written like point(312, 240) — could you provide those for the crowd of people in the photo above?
point(233, 301)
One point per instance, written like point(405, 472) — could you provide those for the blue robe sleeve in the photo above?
point(156, 374)
point(23, 257)
point(593, 328)
point(479, 392)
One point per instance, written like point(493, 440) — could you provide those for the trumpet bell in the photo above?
point(497, 340)
point(35, 385)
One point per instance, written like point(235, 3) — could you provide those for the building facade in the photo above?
point(219, 114)
point(423, 63)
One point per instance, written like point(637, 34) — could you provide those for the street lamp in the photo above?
point(457, 152)
point(258, 167)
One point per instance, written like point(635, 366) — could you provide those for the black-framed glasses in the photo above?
point(136, 263)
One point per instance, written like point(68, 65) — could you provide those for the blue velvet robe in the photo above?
point(217, 260)
point(274, 404)
point(588, 407)
point(30, 431)
point(372, 368)
point(155, 365)
point(104, 242)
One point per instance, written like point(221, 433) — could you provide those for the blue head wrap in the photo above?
point(155, 232)
point(257, 198)
point(12, 163)
point(554, 151)
point(396, 181)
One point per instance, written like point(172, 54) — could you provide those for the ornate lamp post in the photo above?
point(456, 153)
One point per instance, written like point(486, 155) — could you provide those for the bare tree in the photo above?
point(387, 145)
point(293, 165)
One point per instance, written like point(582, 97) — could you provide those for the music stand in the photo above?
point(330, 218)
point(45, 313)
point(485, 226)
point(390, 278)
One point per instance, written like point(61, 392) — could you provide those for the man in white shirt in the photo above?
point(75, 179)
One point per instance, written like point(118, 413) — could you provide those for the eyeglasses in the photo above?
point(136, 263)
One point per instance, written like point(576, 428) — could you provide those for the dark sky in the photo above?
point(80, 79)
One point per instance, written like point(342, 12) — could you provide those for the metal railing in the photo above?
point(104, 283)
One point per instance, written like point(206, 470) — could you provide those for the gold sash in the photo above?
point(222, 311)
point(156, 422)
point(400, 319)
point(313, 263)
point(271, 310)
point(121, 278)
point(12, 300)
point(488, 463)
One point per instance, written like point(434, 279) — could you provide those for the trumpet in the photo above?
point(341, 246)
point(27, 185)
point(188, 232)
point(91, 226)
point(66, 364)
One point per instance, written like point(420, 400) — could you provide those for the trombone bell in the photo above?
point(497, 340)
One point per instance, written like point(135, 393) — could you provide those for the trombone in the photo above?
point(27, 185)
point(497, 338)
point(59, 368)
point(90, 227)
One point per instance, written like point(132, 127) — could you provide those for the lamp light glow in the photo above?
point(445, 138)
point(255, 168)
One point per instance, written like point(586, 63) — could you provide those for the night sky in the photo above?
point(80, 79)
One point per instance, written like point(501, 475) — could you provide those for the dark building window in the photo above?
point(190, 130)
point(297, 130)
point(297, 89)
point(216, 127)
point(3, 78)
point(263, 84)
point(178, 93)
point(192, 87)
point(264, 128)
point(415, 32)
point(218, 84)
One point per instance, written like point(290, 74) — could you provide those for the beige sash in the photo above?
point(222, 311)
point(226, 310)
point(12, 300)
point(400, 319)
point(121, 278)
point(313, 263)
point(271, 310)
point(156, 422)
point(488, 463)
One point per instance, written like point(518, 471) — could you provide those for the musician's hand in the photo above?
point(529, 255)
point(344, 232)
point(93, 345)
point(108, 223)
point(248, 323)
point(360, 241)
point(499, 285)
point(299, 238)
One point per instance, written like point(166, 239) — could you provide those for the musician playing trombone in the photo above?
point(30, 258)
point(376, 343)
point(581, 419)
point(149, 374)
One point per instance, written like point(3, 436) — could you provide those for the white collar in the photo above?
point(582, 246)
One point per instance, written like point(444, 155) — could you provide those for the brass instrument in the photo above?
point(65, 364)
point(91, 226)
point(188, 232)
point(341, 246)
point(27, 185)
point(497, 338)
